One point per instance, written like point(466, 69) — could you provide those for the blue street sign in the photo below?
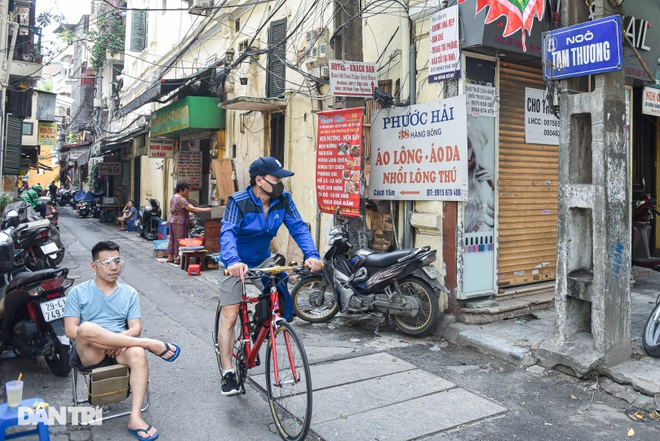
point(584, 49)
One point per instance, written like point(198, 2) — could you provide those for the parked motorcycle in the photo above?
point(643, 211)
point(32, 309)
point(97, 204)
point(37, 236)
point(64, 197)
point(402, 284)
point(149, 219)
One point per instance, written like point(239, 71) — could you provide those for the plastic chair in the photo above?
point(9, 418)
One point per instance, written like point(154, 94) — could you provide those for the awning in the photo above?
point(162, 88)
point(255, 104)
point(187, 116)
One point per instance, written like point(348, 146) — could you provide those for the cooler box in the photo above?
point(160, 248)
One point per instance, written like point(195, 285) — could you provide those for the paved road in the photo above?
point(367, 387)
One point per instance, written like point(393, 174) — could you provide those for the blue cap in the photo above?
point(267, 165)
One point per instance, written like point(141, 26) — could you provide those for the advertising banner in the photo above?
point(47, 133)
point(583, 49)
point(541, 126)
point(444, 49)
point(109, 168)
point(161, 148)
point(650, 101)
point(352, 78)
point(338, 167)
point(189, 169)
point(420, 152)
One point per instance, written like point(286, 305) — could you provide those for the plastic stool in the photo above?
point(193, 268)
point(130, 226)
point(9, 418)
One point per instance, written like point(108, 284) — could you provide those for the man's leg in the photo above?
point(136, 359)
point(92, 342)
point(229, 314)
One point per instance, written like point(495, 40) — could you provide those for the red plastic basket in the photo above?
point(191, 242)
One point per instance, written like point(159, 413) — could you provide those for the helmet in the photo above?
point(37, 187)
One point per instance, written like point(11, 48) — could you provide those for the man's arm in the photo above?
point(231, 221)
point(134, 327)
point(71, 327)
point(299, 231)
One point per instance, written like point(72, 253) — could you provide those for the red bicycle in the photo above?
point(288, 380)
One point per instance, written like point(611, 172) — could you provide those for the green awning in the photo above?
point(187, 116)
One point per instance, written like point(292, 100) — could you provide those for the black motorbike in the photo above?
point(37, 236)
point(32, 309)
point(64, 197)
point(402, 284)
point(149, 219)
point(97, 204)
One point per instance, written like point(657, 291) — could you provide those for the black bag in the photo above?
point(261, 311)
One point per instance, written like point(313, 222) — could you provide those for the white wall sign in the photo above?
point(444, 48)
point(161, 148)
point(650, 101)
point(352, 78)
point(480, 100)
point(420, 152)
point(541, 126)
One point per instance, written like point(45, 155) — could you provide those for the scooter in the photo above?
point(643, 211)
point(32, 309)
point(37, 236)
point(149, 220)
point(64, 197)
point(402, 284)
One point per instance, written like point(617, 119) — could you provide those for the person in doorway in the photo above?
point(251, 220)
point(128, 215)
point(102, 317)
point(31, 196)
point(52, 191)
point(53, 215)
point(179, 219)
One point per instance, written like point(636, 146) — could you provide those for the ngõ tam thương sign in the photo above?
point(583, 49)
point(420, 152)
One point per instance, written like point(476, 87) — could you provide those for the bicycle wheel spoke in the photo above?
point(289, 384)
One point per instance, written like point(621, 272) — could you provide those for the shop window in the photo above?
point(28, 128)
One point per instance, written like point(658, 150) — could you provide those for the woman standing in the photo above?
point(179, 219)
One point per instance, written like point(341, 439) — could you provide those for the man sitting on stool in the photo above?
point(103, 318)
point(129, 215)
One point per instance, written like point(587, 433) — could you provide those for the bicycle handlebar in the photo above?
point(258, 272)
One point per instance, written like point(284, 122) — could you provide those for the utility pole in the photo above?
point(347, 45)
point(98, 102)
point(592, 296)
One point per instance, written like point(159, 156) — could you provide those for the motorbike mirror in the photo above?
point(12, 218)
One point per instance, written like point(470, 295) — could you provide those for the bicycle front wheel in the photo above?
point(289, 383)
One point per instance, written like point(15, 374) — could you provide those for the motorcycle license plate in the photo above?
point(53, 309)
point(431, 271)
point(50, 248)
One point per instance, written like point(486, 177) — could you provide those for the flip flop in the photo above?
point(135, 434)
point(168, 348)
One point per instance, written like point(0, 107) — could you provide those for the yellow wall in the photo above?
point(46, 158)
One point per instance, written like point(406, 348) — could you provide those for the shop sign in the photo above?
point(650, 101)
point(338, 167)
point(541, 125)
point(444, 48)
point(161, 148)
point(189, 169)
point(584, 49)
point(196, 113)
point(352, 78)
point(420, 152)
point(76, 152)
point(47, 133)
point(109, 168)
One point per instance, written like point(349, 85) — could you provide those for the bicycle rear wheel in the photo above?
point(290, 399)
point(238, 347)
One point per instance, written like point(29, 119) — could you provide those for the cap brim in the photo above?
point(282, 173)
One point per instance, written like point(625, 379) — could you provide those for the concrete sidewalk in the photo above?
point(516, 340)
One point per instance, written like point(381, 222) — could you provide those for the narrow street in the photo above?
point(367, 387)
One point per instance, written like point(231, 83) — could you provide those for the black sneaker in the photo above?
point(229, 384)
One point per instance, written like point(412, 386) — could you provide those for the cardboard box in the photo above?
point(160, 253)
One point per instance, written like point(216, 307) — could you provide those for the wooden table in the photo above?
point(193, 254)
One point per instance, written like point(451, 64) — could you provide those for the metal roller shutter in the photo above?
point(528, 181)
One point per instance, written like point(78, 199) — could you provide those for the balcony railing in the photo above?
point(28, 44)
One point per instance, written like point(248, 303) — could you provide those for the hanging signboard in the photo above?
point(338, 167)
point(352, 78)
point(47, 133)
point(189, 169)
point(109, 168)
point(444, 48)
point(541, 125)
point(161, 148)
point(420, 152)
point(583, 49)
point(650, 101)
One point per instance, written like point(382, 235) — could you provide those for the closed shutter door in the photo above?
point(12, 160)
point(528, 181)
point(275, 83)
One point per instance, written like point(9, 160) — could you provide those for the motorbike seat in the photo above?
point(386, 259)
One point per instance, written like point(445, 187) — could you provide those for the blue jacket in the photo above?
point(246, 234)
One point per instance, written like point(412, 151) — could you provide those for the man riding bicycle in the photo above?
point(251, 220)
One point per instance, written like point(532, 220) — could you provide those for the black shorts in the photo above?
point(75, 362)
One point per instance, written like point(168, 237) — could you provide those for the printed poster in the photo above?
point(444, 49)
point(420, 152)
point(338, 166)
point(47, 133)
point(541, 126)
point(189, 169)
